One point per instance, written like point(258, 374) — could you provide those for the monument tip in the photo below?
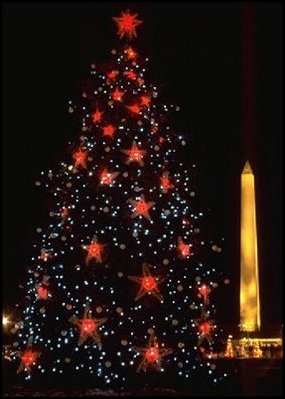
point(247, 168)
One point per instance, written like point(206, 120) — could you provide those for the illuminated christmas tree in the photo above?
point(122, 276)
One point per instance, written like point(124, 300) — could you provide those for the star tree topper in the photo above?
point(127, 24)
point(148, 283)
point(88, 326)
point(152, 354)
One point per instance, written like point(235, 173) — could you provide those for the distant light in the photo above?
point(5, 320)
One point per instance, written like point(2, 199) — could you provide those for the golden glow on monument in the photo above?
point(249, 287)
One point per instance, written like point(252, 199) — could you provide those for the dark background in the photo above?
point(221, 63)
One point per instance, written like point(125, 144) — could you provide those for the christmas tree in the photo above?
point(122, 276)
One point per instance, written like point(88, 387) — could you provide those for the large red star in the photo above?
point(94, 251)
point(152, 354)
point(126, 24)
point(97, 116)
point(131, 54)
point(205, 328)
point(117, 94)
point(184, 250)
point(112, 74)
point(165, 183)
point(88, 327)
point(148, 284)
point(108, 130)
point(130, 75)
point(141, 207)
point(28, 359)
point(145, 101)
point(42, 289)
point(135, 154)
point(134, 108)
point(107, 178)
point(80, 157)
point(204, 291)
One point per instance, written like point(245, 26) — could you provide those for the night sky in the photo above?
point(197, 59)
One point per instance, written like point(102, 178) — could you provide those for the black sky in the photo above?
point(195, 52)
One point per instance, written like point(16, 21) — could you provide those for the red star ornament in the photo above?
point(112, 75)
point(42, 289)
point(140, 81)
point(97, 116)
point(152, 355)
point(141, 207)
point(80, 157)
point(154, 129)
point(145, 101)
point(28, 359)
point(45, 255)
point(130, 75)
point(131, 54)
point(42, 292)
point(117, 95)
point(127, 24)
point(107, 178)
point(165, 183)
point(95, 251)
point(148, 283)
point(109, 130)
point(204, 291)
point(205, 329)
point(88, 327)
point(135, 109)
point(184, 250)
point(64, 213)
point(205, 326)
point(135, 154)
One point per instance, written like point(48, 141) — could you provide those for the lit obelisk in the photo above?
point(249, 285)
